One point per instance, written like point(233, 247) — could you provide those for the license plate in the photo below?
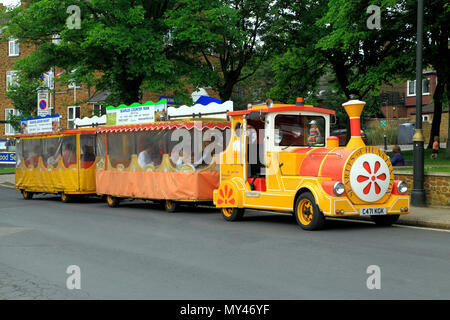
point(372, 211)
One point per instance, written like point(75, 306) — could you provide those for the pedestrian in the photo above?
point(435, 151)
point(397, 158)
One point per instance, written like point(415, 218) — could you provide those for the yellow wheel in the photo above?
point(171, 206)
point(27, 195)
point(65, 197)
point(113, 202)
point(232, 214)
point(307, 213)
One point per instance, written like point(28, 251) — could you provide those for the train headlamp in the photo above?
point(339, 188)
point(402, 187)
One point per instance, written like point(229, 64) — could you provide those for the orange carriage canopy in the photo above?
point(140, 161)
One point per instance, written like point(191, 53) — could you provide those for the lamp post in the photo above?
point(418, 191)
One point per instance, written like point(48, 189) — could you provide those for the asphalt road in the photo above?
point(138, 251)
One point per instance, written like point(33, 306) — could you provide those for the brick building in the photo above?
point(70, 101)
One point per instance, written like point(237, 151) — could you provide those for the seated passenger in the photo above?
point(88, 154)
point(52, 157)
point(68, 155)
point(180, 159)
point(35, 156)
point(145, 156)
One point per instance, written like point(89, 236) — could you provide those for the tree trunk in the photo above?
point(437, 113)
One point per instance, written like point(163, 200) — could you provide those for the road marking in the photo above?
point(7, 231)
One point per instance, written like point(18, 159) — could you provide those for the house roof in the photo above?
point(100, 96)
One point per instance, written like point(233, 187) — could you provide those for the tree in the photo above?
point(437, 54)
point(117, 45)
point(23, 95)
point(333, 37)
point(220, 42)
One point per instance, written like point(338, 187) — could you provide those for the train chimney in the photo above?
point(354, 109)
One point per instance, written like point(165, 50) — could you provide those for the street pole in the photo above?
point(418, 191)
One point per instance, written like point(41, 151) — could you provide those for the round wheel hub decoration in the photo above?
point(368, 175)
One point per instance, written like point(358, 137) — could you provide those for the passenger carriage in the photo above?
point(160, 161)
point(56, 163)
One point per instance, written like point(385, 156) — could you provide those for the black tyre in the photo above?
point(27, 195)
point(385, 221)
point(232, 214)
point(171, 206)
point(113, 202)
point(307, 213)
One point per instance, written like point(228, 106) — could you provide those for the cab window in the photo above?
point(299, 131)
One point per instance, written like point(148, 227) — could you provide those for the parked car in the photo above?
point(342, 135)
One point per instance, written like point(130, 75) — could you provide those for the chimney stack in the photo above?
point(354, 109)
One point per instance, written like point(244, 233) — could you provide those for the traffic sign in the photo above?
point(43, 107)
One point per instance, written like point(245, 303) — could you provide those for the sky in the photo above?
point(9, 2)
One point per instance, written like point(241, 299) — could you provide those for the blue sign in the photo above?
point(43, 104)
point(8, 157)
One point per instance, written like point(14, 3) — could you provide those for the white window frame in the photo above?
point(11, 78)
point(9, 130)
point(74, 116)
point(13, 47)
point(413, 83)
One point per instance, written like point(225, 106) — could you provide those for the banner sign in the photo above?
point(137, 113)
point(7, 157)
point(40, 124)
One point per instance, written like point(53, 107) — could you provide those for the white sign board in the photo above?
point(38, 125)
point(43, 109)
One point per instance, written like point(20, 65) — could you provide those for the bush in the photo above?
point(375, 134)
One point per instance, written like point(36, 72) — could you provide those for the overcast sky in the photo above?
point(9, 2)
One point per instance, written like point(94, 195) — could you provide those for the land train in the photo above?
point(277, 157)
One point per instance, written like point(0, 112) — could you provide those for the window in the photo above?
point(425, 118)
point(11, 78)
point(9, 130)
point(99, 110)
point(72, 114)
point(411, 87)
point(300, 131)
point(14, 50)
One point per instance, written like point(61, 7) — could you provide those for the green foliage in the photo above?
point(220, 43)
point(23, 95)
point(119, 46)
point(375, 135)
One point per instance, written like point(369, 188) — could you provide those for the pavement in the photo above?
point(429, 217)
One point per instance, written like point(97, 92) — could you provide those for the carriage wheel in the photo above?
point(307, 212)
point(171, 206)
point(113, 202)
point(66, 198)
point(27, 195)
